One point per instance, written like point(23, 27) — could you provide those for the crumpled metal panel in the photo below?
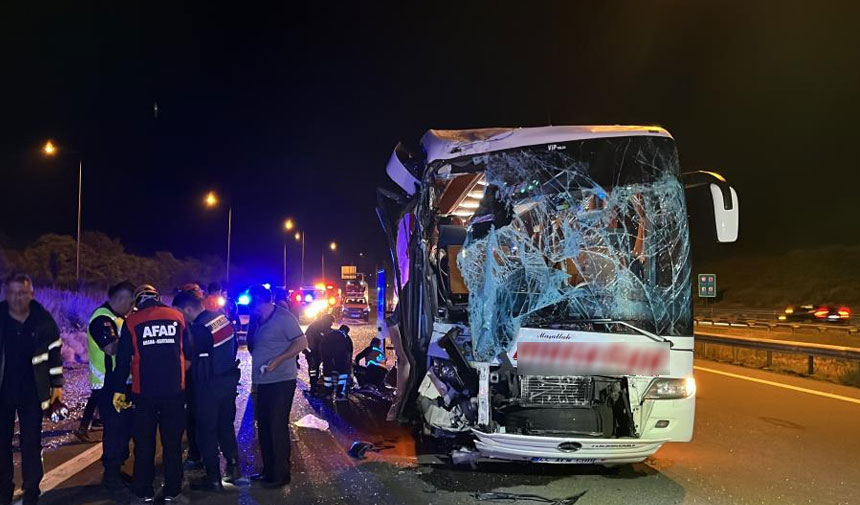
point(566, 235)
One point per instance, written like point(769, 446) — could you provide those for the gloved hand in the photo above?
point(119, 402)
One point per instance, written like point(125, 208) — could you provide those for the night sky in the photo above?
point(292, 110)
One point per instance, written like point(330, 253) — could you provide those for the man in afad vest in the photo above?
point(215, 373)
point(154, 346)
point(102, 342)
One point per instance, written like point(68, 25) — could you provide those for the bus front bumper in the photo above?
point(565, 450)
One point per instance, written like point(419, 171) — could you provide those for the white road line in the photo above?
point(68, 469)
point(781, 385)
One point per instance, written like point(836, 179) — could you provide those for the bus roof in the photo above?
point(451, 144)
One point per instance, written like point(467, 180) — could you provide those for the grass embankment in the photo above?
point(825, 275)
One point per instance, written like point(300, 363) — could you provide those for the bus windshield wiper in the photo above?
point(652, 336)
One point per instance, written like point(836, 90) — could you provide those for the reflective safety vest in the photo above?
point(94, 352)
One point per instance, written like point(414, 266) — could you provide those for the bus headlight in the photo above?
point(671, 389)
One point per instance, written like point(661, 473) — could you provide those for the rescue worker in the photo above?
point(193, 460)
point(154, 347)
point(373, 372)
point(337, 363)
point(214, 300)
point(102, 342)
point(216, 377)
point(315, 333)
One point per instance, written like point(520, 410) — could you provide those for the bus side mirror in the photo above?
point(725, 212)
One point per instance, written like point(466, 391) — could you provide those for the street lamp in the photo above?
point(333, 247)
point(288, 226)
point(301, 236)
point(211, 201)
point(51, 150)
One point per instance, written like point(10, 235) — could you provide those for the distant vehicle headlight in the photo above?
point(789, 310)
point(314, 309)
point(671, 389)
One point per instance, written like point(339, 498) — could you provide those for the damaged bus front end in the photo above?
point(545, 290)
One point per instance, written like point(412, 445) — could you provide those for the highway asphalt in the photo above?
point(760, 438)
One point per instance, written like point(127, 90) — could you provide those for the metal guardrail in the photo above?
point(772, 324)
point(741, 313)
point(781, 346)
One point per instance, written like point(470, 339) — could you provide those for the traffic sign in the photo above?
point(707, 285)
point(348, 272)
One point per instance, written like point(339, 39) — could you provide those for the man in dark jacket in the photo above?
point(315, 333)
point(153, 348)
point(31, 371)
point(337, 363)
point(216, 376)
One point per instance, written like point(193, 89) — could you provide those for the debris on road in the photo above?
point(464, 456)
point(358, 449)
point(516, 497)
point(313, 422)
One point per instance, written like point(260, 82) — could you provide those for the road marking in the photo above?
point(68, 469)
point(781, 385)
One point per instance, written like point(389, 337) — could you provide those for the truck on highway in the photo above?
point(544, 286)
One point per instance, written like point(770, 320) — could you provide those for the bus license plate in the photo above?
point(566, 461)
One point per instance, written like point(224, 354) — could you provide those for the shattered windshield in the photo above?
point(575, 236)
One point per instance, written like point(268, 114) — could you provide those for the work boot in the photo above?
point(112, 480)
point(192, 464)
point(180, 499)
point(231, 472)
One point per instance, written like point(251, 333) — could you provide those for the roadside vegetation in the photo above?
point(827, 275)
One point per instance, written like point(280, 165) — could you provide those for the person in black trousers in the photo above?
point(216, 376)
point(277, 341)
point(31, 371)
point(154, 347)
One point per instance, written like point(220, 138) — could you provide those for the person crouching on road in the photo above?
point(216, 377)
point(154, 346)
point(315, 333)
point(102, 343)
point(277, 341)
point(374, 370)
point(31, 371)
point(337, 363)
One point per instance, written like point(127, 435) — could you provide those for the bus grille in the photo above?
point(563, 391)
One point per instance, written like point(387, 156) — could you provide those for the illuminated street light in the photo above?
point(333, 247)
point(211, 201)
point(298, 236)
point(50, 150)
point(288, 225)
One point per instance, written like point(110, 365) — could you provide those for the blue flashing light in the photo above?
point(309, 297)
point(244, 299)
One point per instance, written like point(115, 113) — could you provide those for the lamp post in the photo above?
point(211, 201)
point(333, 247)
point(288, 226)
point(301, 236)
point(51, 150)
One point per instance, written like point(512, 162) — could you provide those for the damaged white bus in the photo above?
point(545, 290)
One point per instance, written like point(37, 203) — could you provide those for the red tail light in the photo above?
point(822, 312)
point(844, 313)
point(299, 297)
